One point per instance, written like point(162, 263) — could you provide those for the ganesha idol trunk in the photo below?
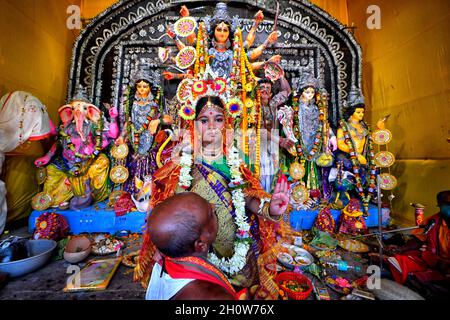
point(79, 120)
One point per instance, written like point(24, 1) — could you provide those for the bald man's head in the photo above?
point(183, 225)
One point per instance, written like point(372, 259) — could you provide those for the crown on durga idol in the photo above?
point(190, 91)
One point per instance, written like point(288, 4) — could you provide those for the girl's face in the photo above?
point(211, 123)
point(143, 89)
point(358, 115)
point(221, 32)
point(308, 94)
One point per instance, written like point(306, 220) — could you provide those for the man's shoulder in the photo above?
point(203, 290)
point(434, 217)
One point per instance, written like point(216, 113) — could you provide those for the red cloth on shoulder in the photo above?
point(199, 269)
point(409, 262)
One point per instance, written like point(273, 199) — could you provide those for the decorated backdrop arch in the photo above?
point(109, 49)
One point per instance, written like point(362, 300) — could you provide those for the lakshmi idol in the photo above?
point(306, 124)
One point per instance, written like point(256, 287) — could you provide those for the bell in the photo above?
point(296, 171)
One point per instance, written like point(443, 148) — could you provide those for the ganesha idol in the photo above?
point(75, 169)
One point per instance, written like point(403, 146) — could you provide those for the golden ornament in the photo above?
point(120, 151)
point(382, 136)
point(300, 194)
point(387, 181)
point(384, 159)
point(118, 174)
point(296, 171)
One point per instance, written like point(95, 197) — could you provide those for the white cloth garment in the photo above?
point(163, 287)
point(22, 117)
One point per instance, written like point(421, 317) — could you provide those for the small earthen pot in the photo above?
point(77, 249)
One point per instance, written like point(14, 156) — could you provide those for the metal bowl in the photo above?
point(40, 252)
point(291, 260)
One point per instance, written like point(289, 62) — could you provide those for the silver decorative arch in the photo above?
point(108, 49)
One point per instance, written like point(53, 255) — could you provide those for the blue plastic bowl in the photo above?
point(40, 251)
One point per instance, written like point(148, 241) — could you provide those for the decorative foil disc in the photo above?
point(384, 159)
point(118, 174)
point(185, 58)
point(184, 90)
point(184, 27)
point(388, 181)
point(300, 194)
point(41, 201)
point(41, 175)
point(382, 136)
point(119, 151)
point(296, 171)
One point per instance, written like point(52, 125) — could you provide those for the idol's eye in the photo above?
point(203, 121)
point(219, 119)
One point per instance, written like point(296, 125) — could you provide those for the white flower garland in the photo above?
point(185, 172)
point(235, 263)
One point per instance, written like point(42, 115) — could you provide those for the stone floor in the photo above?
point(48, 282)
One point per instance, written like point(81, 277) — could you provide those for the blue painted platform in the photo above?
point(304, 219)
point(99, 218)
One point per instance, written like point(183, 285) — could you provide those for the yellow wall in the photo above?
point(91, 8)
point(336, 8)
point(35, 49)
point(406, 72)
